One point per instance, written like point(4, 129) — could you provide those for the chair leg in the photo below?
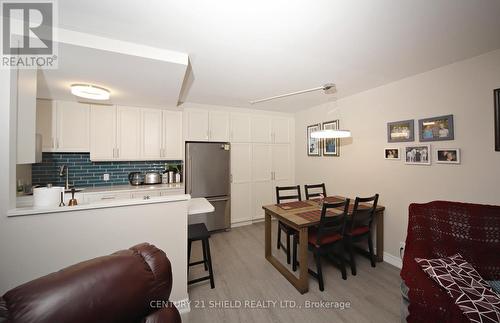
point(319, 271)
point(288, 248)
point(204, 255)
point(351, 256)
point(294, 256)
point(342, 260)
point(210, 270)
point(370, 247)
point(279, 237)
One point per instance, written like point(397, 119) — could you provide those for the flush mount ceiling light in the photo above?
point(330, 133)
point(88, 91)
point(328, 88)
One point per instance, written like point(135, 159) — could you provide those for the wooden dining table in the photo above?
point(300, 216)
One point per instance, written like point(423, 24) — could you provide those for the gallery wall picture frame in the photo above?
point(417, 154)
point(436, 128)
point(392, 153)
point(331, 146)
point(401, 131)
point(496, 94)
point(313, 144)
point(447, 155)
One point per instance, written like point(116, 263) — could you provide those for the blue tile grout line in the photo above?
point(85, 173)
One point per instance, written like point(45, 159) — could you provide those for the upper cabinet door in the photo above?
point(128, 125)
point(240, 128)
point(46, 123)
point(151, 134)
point(261, 128)
point(72, 127)
point(197, 125)
point(218, 126)
point(172, 135)
point(280, 129)
point(102, 132)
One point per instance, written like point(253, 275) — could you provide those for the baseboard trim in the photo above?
point(392, 260)
point(183, 305)
point(241, 223)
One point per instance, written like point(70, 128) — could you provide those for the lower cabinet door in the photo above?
point(262, 194)
point(145, 195)
point(241, 206)
point(105, 197)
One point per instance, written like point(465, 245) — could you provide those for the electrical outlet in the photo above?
point(105, 177)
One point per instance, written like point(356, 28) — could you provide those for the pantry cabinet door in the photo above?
point(46, 123)
point(128, 123)
point(102, 132)
point(241, 163)
point(280, 129)
point(241, 203)
point(240, 127)
point(262, 194)
point(73, 127)
point(197, 125)
point(151, 134)
point(261, 129)
point(172, 135)
point(281, 162)
point(219, 126)
point(261, 162)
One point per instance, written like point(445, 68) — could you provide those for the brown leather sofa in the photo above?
point(131, 285)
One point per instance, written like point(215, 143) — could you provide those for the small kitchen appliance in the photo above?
point(152, 178)
point(135, 178)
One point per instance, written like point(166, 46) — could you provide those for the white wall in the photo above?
point(464, 89)
point(35, 245)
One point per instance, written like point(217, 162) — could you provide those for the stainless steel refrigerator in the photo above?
point(208, 175)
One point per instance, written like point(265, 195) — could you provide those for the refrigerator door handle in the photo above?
point(217, 199)
point(190, 161)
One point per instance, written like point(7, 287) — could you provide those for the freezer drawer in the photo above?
point(217, 220)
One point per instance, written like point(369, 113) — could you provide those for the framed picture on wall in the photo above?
point(436, 129)
point(392, 154)
point(313, 144)
point(497, 119)
point(417, 155)
point(447, 156)
point(331, 146)
point(401, 131)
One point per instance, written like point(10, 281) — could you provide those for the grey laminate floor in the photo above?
point(254, 291)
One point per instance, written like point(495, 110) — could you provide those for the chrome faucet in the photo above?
point(64, 169)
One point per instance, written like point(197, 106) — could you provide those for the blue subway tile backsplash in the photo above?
point(85, 173)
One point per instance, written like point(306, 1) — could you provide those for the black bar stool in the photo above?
point(198, 231)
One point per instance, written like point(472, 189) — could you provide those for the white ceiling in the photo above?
point(132, 80)
point(244, 50)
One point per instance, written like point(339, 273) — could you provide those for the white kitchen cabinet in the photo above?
point(46, 123)
point(241, 202)
point(72, 127)
point(102, 132)
point(241, 182)
point(262, 194)
point(26, 116)
point(64, 125)
point(170, 192)
point(280, 129)
point(197, 128)
point(172, 144)
point(261, 128)
point(128, 138)
point(151, 146)
point(144, 195)
point(261, 162)
point(105, 196)
point(281, 162)
point(218, 126)
point(240, 129)
point(241, 163)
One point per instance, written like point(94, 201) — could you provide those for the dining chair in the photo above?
point(326, 237)
point(289, 231)
point(359, 228)
point(312, 190)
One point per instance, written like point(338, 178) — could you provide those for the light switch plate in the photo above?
point(105, 177)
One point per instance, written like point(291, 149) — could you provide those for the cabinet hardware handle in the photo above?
point(108, 197)
point(231, 178)
point(117, 152)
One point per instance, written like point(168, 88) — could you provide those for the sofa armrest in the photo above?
point(165, 315)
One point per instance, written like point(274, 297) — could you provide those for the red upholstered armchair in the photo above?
point(440, 229)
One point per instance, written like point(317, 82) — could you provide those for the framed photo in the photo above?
point(392, 153)
point(497, 119)
point(417, 154)
point(401, 131)
point(436, 129)
point(448, 155)
point(331, 146)
point(313, 144)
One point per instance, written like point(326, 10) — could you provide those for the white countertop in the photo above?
point(200, 205)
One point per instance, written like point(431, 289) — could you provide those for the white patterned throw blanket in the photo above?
point(469, 290)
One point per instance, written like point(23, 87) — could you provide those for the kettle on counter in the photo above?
point(135, 178)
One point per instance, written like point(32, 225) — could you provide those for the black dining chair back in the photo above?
point(363, 216)
point(280, 197)
point(332, 224)
point(314, 190)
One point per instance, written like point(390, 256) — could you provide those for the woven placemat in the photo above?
point(293, 205)
point(313, 216)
